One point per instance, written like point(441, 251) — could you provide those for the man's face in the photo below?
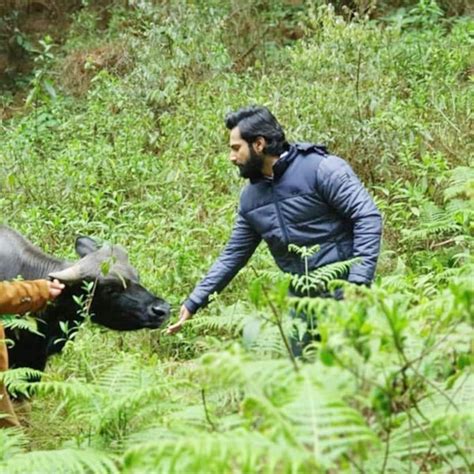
point(248, 160)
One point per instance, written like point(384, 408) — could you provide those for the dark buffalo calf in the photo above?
point(118, 300)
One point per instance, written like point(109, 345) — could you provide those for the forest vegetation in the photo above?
point(111, 125)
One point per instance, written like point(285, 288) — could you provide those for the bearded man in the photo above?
point(298, 194)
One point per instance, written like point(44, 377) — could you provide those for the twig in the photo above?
point(400, 350)
point(443, 394)
point(206, 412)
point(448, 120)
point(427, 350)
point(425, 457)
point(410, 429)
point(359, 59)
point(357, 374)
point(445, 242)
point(281, 330)
point(279, 325)
point(416, 407)
point(359, 468)
point(387, 445)
point(90, 297)
point(432, 440)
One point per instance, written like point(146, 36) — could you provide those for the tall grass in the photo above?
point(140, 158)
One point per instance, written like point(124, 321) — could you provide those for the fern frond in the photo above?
point(18, 381)
point(20, 323)
point(319, 279)
point(122, 377)
point(454, 218)
point(295, 425)
point(225, 369)
point(71, 390)
point(461, 183)
point(325, 423)
point(269, 275)
point(236, 320)
point(442, 426)
point(461, 206)
point(232, 319)
point(61, 461)
point(201, 452)
point(12, 376)
point(12, 443)
point(427, 231)
point(268, 342)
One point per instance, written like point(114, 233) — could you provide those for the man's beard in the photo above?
point(252, 169)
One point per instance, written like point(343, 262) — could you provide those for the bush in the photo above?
point(139, 158)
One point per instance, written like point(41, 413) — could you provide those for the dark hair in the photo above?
point(258, 121)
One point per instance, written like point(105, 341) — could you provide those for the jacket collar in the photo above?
point(279, 167)
point(287, 157)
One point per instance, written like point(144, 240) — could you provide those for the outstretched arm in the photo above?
point(242, 244)
point(18, 297)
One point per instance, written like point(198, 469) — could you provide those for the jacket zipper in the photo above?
point(280, 217)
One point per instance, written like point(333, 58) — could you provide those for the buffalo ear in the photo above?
point(86, 245)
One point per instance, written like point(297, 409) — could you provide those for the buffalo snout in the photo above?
point(128, 308)
point(159, 312)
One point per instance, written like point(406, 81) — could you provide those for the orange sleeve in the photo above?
point(19, 297)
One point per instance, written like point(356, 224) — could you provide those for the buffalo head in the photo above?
point(119, 301)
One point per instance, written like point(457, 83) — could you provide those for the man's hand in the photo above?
point(55, 287)
point(184, 315)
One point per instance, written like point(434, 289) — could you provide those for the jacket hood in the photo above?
point(285, 160)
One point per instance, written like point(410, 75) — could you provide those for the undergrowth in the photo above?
point(132, 149)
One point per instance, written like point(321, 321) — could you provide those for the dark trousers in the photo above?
point(304, 330)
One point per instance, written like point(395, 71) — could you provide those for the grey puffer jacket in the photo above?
point(313, 198)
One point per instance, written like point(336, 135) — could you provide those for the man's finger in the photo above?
point(55, 288)
point(177, 326)
point(183, 317)
point(174, 328)
point(57, 284)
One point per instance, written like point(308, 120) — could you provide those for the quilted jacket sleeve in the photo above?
point(346, 194)
point(242, 244)
point(18, 297)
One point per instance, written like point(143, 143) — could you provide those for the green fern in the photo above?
point(14, 458)
point(17, 380)
point(13, 442)
point(231, 319)
point(287, 421)
point(461, 183)
point(20, 323)
point(319, 279)
point(255, 328)
point(433, 222)
point(67, 461)
point(199, 452)
point(453, 220)
point(440, 427)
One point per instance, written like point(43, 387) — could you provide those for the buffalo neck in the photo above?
point(33, 267)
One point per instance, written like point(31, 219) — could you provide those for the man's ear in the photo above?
point(259, 144)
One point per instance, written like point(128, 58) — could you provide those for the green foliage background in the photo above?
point(122, 138)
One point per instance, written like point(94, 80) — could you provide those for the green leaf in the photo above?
point(48, 86)
point(250, 332)
point(326, 356)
